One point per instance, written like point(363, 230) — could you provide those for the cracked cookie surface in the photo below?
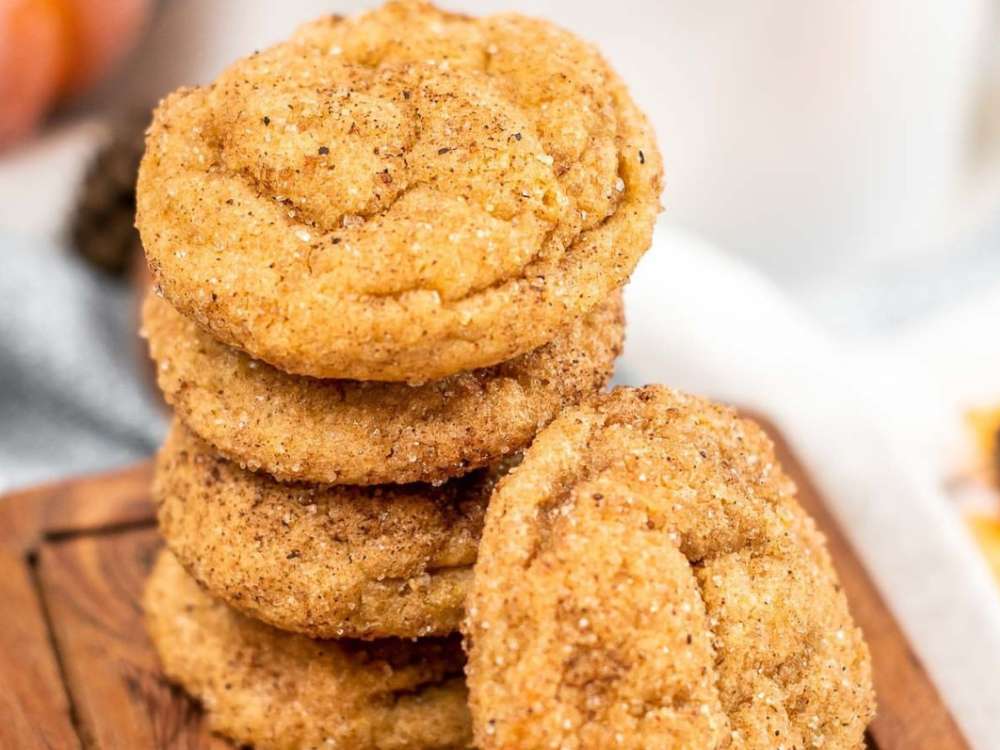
point(298, 428)
point(281, 691)
point(646, 578)
point(328, 562)
point(401, 195)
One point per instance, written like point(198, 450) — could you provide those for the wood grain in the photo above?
point(92, 586)
point(80, 505)
point(33, 701)
point(77, 669)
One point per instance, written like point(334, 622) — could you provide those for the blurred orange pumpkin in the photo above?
point(52, 49)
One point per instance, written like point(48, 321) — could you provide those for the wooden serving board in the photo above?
point(77, 671)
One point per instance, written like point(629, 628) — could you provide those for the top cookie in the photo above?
point(645, 579)
point(399, 196)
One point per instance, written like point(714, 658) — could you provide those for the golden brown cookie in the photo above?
point(356, 432)
point(399, 196)
point(280, 691)
point(329, 562)
point(646, 578)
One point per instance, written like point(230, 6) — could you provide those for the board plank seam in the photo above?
point(67, 535)
point(31, 562)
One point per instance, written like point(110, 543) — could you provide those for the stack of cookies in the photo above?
point(388, 256)
point(386, 253)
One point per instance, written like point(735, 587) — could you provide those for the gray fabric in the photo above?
point(72, 398)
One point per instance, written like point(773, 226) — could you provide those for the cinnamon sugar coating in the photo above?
point(401, 195)
point(280, 691)
point(298, 428)
point(329, 562)
point(646, 578)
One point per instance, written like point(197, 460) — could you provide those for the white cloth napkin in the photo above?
point(700, 321)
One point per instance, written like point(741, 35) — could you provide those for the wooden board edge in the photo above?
point(75, 506)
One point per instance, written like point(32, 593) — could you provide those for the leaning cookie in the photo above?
point(355, 432)
point(280, 691)
point(646, 578)
point(399, 196)
point(329, 562)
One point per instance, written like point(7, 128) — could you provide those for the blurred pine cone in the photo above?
point(102, 228)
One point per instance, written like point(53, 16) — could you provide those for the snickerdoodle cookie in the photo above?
point(646, 578)
point(355, 432)
point(340, 561)
point(399, 196)
point(281, 691)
